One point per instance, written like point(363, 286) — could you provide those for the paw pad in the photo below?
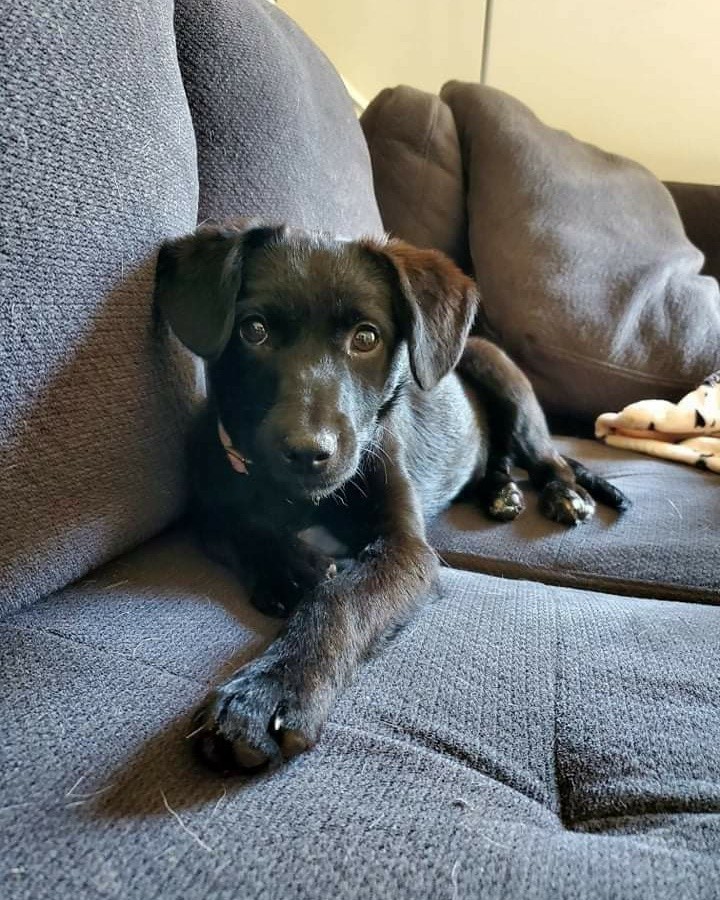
point(507, 503)
point(566, 505)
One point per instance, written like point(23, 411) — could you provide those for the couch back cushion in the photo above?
point(587, 276)
point(98, 166)
point(276, 133)
point(417, 170)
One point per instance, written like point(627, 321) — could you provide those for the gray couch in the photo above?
point(550, 729)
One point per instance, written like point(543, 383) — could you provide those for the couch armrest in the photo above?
point(699, 206)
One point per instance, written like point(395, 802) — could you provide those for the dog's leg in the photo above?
point(500, 496)
point(492, 486)
point(519, 434)
point(275, 707)
point(276, 567)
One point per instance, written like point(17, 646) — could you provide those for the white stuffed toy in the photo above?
point(688, 431)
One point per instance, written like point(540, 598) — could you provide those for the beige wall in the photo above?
point(638, 77)
point(381, 43)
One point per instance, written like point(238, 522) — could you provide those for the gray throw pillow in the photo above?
point(587, 276)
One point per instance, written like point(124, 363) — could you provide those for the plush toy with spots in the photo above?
point(688, 431)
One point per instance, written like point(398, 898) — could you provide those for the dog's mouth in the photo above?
point(316, 487)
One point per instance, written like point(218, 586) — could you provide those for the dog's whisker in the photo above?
point(358, 488)
point(381, 450)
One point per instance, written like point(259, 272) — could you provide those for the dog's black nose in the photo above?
point(309, 455)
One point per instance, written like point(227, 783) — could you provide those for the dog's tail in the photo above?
point(598, 488)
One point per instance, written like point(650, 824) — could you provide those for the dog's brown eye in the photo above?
point(254, 330)
point(365, 338)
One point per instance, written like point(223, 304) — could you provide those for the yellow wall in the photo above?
point(382, 43)
point(637, 77)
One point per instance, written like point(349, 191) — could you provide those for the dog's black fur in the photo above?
point(346, 379)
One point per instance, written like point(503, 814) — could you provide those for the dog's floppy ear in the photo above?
point(437, 306)
point(198, 279)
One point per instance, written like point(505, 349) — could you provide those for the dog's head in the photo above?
point(310, 340)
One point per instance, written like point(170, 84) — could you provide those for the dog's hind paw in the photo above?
point(505, 503)
point(569, 506)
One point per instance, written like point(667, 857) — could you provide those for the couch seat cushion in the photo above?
point(519, 740)
point(666, 546)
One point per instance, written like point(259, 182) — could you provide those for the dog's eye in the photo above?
point(365, 338)
point(253, 330)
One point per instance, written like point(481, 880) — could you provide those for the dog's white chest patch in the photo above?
point(321, 539)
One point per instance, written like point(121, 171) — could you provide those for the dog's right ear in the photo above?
point(198, 279)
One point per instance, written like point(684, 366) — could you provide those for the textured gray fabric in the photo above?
point(587, 276)
point(699, 208)
point(276, 132)
point(665, 546)
point(417, 170)
point(98, 165)
point(418, 175)
point(515, 741)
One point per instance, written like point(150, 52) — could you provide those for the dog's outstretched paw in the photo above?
point(254, 721)
point(569, 506)
point(505, 503)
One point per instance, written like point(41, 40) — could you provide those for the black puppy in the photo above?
point(345, 393)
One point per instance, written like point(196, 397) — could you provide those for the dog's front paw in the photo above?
point(277, 593)
point(505, 503)
point(256, 719)
point(569, 506)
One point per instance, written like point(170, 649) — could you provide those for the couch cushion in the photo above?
point(537, 742)
point(98, 166)
point(699, 208)
point(586, 273)
point(666, 546)
point(417, 170)
point(276, 132)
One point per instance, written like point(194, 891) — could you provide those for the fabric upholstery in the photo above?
point(666, 546)
point(417, 170)
point(515, 741)
point(586, 272)
point(98, 166)
point(418, 175)
point(276, 131)
point(587, 277)
point(699, 208)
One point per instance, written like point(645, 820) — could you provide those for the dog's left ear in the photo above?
point(437, 306)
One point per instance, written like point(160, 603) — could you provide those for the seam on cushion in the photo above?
point(426, 146)
point(624, 371)
point(644, 816)
point(417, 154)
point(672, 809)
point(425, 747)
point(105, 651)
point(607, 584)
